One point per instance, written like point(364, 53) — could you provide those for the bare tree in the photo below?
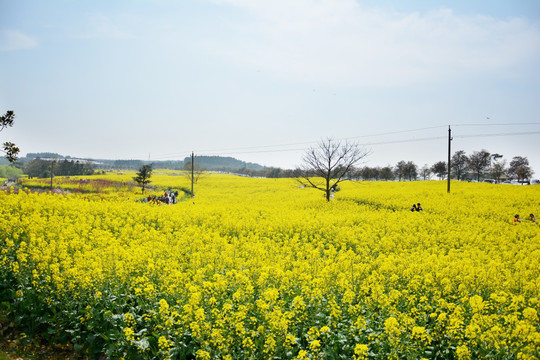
point(410, 171)
point(459, 164)
point(478, 162)
point(327, 164)
point(425, 172)
point(498, 169)
point(516, 163)
point(369, 173)
point(400, 169)
point(524, 173)
point(387, 173)
point(439, 169)
point(198, 172)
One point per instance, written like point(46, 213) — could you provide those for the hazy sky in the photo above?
point(264, 80)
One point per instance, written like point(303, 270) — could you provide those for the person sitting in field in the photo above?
point(532, 218)
point(517, 219)
point(414, 207)
point(419, 207)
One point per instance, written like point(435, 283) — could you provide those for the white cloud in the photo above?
point(340, 42)
point(12, 40)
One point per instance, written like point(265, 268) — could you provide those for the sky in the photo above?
point(265, 80)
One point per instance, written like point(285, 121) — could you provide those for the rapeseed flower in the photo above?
point(260, 266)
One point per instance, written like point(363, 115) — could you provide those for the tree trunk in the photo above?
point(327, 189)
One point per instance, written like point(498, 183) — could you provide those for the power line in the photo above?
point(396, 132)
point(303, 149)
point(499, 124)
point(500, 134)
point(394, 142)
point(403, 141)
point(241, 148)
point(221, 150)
point(254, 149)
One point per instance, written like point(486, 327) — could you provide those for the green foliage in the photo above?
point(10, 172)
point(9, 148)
point(42, 168)
point(37, 168)
point(143, 176)
point(439, 169)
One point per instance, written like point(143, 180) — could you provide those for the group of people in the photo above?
point(517, 219)
point(167, 198)
point(416, 207)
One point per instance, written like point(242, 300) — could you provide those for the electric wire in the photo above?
point(222, 150)
point(500, 134)
point(269, 148)
point(497, 124)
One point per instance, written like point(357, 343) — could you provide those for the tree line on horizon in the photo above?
point(462, 167)
point(45, 168)
point(477, 166)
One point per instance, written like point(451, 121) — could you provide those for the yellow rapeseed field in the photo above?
point(265, 269)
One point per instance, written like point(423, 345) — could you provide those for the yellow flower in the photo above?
point(129, 333)
point(163, 344)
point(202, 355)
point(477, 303)
point(391, 326)
point(463, 352)
point(420, 334)
point(254, 260)
point(530, 314)
point(248, 343)
point(163, 306)
point(315, 345)
point(361, 351)
point(290, 340)
point(269, 344)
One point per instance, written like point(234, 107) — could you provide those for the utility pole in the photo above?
point(192, 168)
point(449, 142)
point(52, 174)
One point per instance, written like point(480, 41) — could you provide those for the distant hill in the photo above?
point(46, 155)
point(216, 163)
point(222, 163)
